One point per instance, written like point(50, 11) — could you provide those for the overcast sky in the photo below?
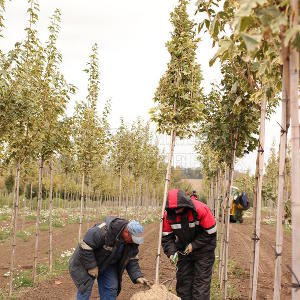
point(131, 36)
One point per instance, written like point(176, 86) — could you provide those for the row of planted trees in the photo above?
point(258, 43)
point(79, 154)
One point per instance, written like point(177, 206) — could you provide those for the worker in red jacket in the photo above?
point(189, 240)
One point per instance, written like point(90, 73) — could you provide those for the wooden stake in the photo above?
point(37, 225)
point(24, 205)
point(171, 150)
point(120, 192)
point(50, 216)
point(127, 191)
point(221, 247)
point(295, 143)
point(15, 226)
point(227, 216)
point(81, 207)
point(281, 172)
point(257, 201)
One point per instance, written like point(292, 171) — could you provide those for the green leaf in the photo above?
point(251, 41)
point(224, 46)
point(234, 87)
point(291, 34)
point(214, 27)
point(244, 23)
point(246, 7)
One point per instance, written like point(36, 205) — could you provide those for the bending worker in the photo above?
point(103, 254)
point(189, 240)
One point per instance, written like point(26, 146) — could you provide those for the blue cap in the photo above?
point(136, 231)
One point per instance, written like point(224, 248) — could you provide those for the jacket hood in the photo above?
point(115, 226)
point(178, 199)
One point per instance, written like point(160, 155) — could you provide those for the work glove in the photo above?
point(93, 272)
point(188, 249)
point(143, 281)
point(174, 258)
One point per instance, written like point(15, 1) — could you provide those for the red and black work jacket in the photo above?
point(196, 225)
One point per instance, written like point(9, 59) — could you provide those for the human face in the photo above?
point(126, 236)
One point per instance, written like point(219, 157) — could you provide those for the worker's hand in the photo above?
point(143, 281)
point(174, 258)
point(188, 249)
point(93, 272)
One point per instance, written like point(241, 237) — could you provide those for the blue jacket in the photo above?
point(101, 246)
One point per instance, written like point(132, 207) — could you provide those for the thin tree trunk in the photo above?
point(65, 191)
point(218, 187)
point(221, 248)
point(38, 212)
point(15, 227)
point(135, 198)
point(139, 197)
point(295, 159)
point(81, 207)
point(31, 196)
point(127, 191)
point(171, 150)
point(120, 191)
point(88, 199)
point(24, 206)
point(214, 196)
point(211, 198)
point(227, 220)
point(281, 171)
point(257, 201)
point(50, 216)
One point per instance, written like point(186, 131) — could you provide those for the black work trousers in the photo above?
point(194, 275)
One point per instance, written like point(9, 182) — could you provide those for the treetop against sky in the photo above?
point(132, 56)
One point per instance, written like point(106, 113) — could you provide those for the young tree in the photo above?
point(22, 110)
point(178, 95)
point(90, 133)
point(54, 95)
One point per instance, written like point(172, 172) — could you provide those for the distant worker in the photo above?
point(239, 205)
point(103, 254)
point(189, 240)
point(194, 195)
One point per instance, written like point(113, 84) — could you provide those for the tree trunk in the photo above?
point(127, 191)
point(211, 199)
point(218, 188)
point(88, 199)
point(172, 144)
point(139, 197)
point(15, 227)
point(81, 207)
point(257, 201)
point(24, 206)
point(65, 191)
point(221, 248)
point(227, 220)
point(31, 196)
point(120, 191)
point(295, 159)
point(281, 172)
point(38, 212)
point(135, 198)
point(50, 216)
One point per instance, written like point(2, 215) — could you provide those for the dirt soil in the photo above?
point(240, 251)
point(63, 288)
point(157, 291)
